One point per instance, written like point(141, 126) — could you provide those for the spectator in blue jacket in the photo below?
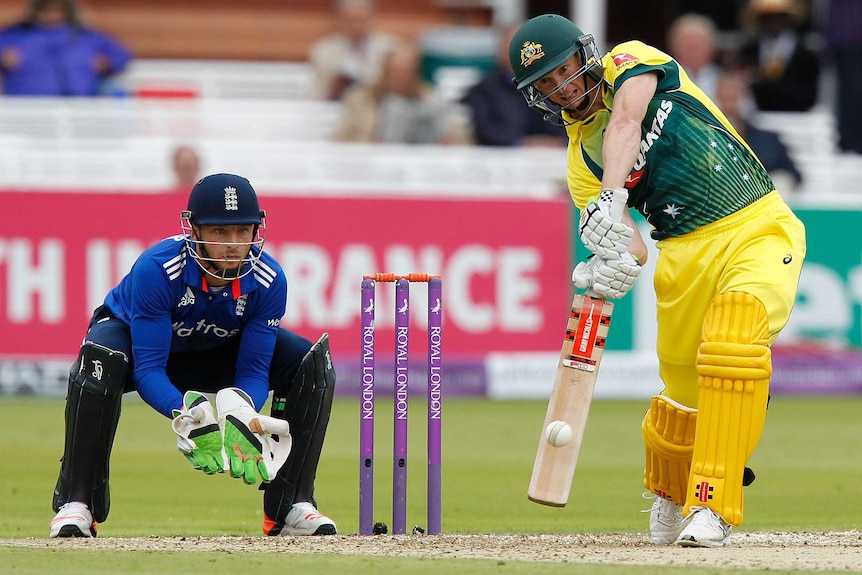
point(52, 53)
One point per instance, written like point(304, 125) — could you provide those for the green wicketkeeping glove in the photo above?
point(253, 443)
point(199, 437)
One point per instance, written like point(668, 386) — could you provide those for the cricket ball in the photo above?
point(559, 433)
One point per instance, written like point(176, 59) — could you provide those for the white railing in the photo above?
point(256, 80)
point(81, 119)
point(286, 146)
point(219, 78)
point(811, 140)
point(287, 167)
point(282, 145)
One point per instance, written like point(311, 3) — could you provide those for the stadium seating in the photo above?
point(251, 117)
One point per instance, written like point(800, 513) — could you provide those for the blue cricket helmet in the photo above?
point(224, 199)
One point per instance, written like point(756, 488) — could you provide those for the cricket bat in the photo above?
point(572, 393)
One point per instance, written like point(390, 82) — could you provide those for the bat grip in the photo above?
point(618, 204)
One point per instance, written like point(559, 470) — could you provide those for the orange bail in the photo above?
point(387, 277)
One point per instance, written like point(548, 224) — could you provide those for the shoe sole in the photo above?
point(692, 542)
point(73, 531)
point(325, 529)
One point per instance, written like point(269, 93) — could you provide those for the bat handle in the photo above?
point(618, 204)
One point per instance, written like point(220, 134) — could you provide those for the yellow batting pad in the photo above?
point(668, 432)
point(734, 365)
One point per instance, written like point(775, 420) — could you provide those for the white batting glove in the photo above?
point(599, 233)
point(610, 279)
point(198, 435)
point(253, 443)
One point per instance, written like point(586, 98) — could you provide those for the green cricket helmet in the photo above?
point(540, 46)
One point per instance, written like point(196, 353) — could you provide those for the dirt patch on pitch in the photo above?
point(831, 551)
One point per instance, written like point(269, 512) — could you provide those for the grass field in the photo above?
point(808, 469)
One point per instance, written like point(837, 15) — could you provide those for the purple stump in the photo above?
point(399, 463)
point(435, 405)
point(366, 413)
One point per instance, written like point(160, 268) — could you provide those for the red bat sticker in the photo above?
point(585, 337)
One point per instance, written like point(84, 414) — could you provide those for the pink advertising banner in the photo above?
point(505, 264)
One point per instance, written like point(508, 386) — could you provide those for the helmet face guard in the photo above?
point(592, 67)
point(542, 45)
point(212, 256)
point(223, 200)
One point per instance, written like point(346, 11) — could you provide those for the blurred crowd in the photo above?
point(773, 61)
point(775, 65)
point(52, 52)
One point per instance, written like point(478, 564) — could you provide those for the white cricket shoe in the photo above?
point(665, 521)
point(704, 528)
point(303, 519)
point(73, 520)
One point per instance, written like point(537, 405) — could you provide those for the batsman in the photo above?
point(730, 255)
point(199, 315)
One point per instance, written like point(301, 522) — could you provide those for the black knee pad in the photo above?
point(306, 405)
point(96, 383)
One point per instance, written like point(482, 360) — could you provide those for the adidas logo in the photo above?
point(188, 298)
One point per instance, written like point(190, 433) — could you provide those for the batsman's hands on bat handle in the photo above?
point(199, 437)
point(608, 279)
point(600, 232)
point(254, 444)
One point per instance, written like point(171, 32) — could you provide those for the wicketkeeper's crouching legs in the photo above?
point(96, 383)
point(306, 403)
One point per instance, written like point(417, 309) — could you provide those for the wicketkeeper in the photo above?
point(730, 250)
point(199, 314)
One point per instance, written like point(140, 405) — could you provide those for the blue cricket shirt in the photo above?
point(170, 308)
